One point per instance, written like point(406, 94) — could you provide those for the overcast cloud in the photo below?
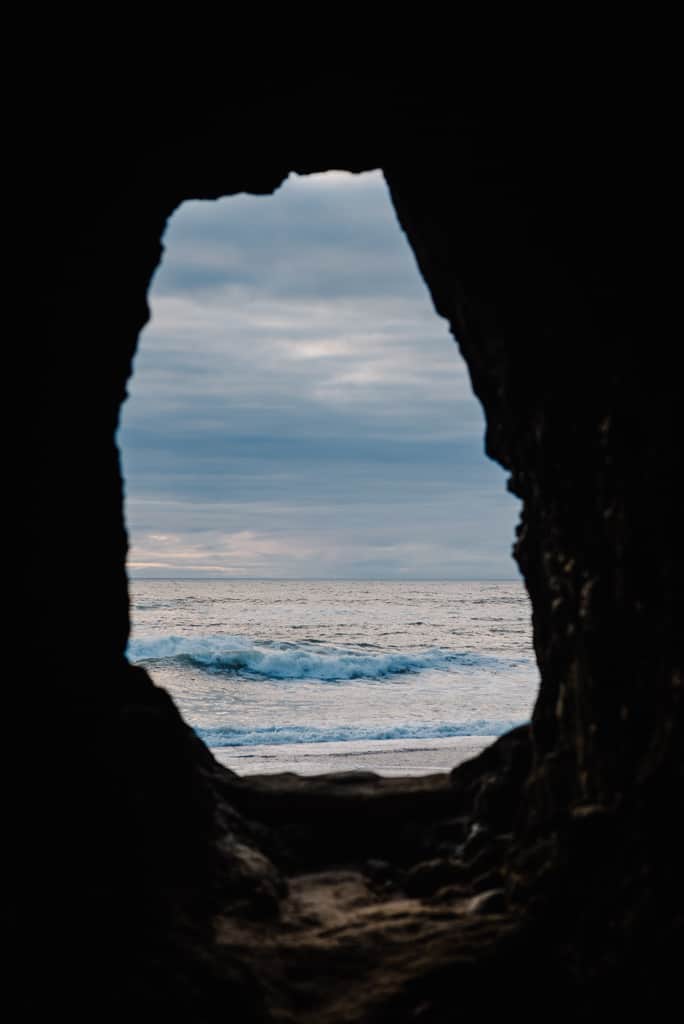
point(298, 408)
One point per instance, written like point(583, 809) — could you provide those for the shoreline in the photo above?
point(385, 757)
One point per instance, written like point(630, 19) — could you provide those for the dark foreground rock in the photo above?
point(344, 897)
point(543, 877)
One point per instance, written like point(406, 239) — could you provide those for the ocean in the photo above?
point(400, 678)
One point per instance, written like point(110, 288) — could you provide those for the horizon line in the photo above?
point(341, 579)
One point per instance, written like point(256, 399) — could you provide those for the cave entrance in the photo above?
point(320, 565)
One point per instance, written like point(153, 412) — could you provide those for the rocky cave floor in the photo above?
point(347, 945)
point(349, 897)
point(376, 894)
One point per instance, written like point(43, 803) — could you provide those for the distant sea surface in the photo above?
point(311, 676)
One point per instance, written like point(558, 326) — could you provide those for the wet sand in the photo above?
point(385, 757)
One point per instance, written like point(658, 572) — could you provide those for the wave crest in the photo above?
point(307, 660)
point(281, 735)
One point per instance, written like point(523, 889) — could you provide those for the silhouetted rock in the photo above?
point(150, 883)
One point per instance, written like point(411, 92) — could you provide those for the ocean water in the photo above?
point(308, 676)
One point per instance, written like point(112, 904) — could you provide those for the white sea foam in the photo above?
point(284, 660)
point(276, 735)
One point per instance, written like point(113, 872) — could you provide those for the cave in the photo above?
point(145, 878)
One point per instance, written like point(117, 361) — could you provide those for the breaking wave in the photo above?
point(307, 660)
point(277, 735)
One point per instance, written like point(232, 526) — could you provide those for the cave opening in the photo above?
point(320, 562)
point(548, 865)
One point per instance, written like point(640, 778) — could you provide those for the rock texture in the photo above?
point(148, 881)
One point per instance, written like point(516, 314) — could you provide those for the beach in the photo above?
point(385, 757)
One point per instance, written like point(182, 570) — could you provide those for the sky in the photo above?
point(298, 409)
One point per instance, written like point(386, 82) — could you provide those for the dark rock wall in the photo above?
point(531, 215)
point(532, 265)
